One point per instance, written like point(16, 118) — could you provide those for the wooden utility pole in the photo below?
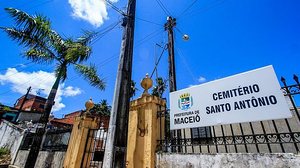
point(23, 102)
point(171, 23)
point(115, 150)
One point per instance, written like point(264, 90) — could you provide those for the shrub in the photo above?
point(4, 151)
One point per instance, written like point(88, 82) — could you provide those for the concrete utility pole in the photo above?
point(171, 23)
point(115, 150)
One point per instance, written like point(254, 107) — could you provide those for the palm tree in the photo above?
point(44, 45)
point(102, 108)
point(160, 87)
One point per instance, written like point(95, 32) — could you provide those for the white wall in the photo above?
point(10, 137)
point(50, 159)
point(230, 160)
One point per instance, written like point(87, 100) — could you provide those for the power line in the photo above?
point(106, 30)
point(185, 63)
point(189, 7)
point(28, 6)
point(115, 8)
point(17, 66)
point(206, 8)
point(137, 18)
point(23, 84)
point(159, 58)
point(124, 14)
point(161, 5)
point(149, 36)
point(19, 71)
point(115, 56)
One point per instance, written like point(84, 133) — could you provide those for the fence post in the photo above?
point(144, 128)
point(78, 140)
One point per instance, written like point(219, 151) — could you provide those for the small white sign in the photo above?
point(250, 96)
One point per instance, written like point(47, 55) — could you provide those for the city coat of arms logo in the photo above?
point(185, 101)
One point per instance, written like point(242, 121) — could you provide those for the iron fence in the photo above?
point(27, 141)
point(54, 140)
point(272, 136)
point(94, 148)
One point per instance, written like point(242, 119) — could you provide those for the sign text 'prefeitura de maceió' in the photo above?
point(250, 96)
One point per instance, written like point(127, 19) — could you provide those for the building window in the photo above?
point(201, 135)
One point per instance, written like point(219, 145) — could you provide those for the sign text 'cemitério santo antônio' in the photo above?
point(251, 96)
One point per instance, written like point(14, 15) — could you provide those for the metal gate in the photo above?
point(95, 147)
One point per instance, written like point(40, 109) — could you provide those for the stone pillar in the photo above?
point(78, 140)
point(144, 129)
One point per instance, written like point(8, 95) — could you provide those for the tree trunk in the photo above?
point(41, 129)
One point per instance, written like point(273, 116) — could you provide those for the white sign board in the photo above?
point(251, 96)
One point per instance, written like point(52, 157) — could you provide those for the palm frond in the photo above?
point(57, 41)
point(20, 17)
point(90, 74)
point(39, 56)
point(29, 41)
point(38, 25)
point(20, 36)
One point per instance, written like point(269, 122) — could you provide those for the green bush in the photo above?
point(4, 151)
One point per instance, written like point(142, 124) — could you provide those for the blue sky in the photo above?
point(226, 37)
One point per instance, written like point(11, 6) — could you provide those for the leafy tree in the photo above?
point(102, 108)
point(6, 108)
point(44, 45)
point(160, 87)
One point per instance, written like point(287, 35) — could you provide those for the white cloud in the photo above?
point(20, 81)
point(93, 11)
point(71, 91)
point(201, 79)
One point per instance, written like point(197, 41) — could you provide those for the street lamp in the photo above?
point(185, 37)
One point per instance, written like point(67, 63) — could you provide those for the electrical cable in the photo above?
point(186, 9)
point(149, 36)
point(159, 58)
point(101, 34)
point(25, 6)
point(17, 66)
point(137, 18)
point(179, 52)
point(206, 8)
point(161, 5)
point(124, 14)
point(29, 80)
point(115, 8)
point(116, 55)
